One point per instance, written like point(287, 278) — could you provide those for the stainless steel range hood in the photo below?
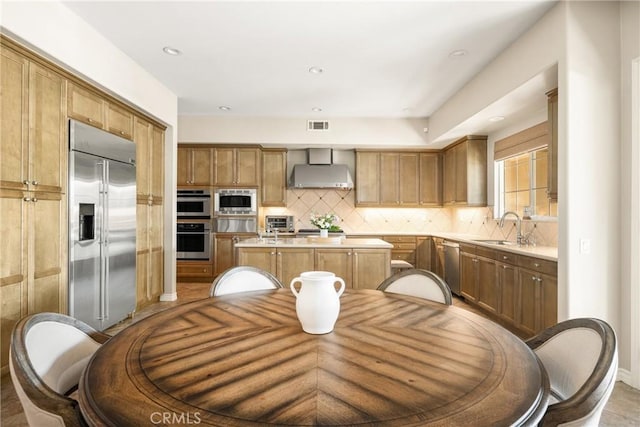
point(321, 172)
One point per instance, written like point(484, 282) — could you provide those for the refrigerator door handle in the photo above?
point(105, 230)
point(103, 244)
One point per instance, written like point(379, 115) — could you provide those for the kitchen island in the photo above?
point(361, 263)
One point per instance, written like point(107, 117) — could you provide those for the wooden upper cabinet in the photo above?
point(389, 176)
point(47, 131)
point(157, 163)
point(142, 139)
point(195, 166)
point(120, 121)
point(237, 166)
point(396, 178)
point(86, 106)
point(149, 141)
point(409, 179)
point(465, 172)
point(367, 178)
point(91, 108)
point(33, 130)
point(552, 148)
point(274, 177)
point(430, 179)
point(14, 128)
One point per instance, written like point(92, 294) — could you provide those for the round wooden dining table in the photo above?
point(243, 360)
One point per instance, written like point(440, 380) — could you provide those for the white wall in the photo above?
point(350, 132)
point(630, 188)
point(583, 38)
point(55, 32)
point(591, 158)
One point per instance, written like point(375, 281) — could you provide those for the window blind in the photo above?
point(530, 139)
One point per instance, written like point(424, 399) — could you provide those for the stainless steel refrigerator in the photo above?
point(102, 226)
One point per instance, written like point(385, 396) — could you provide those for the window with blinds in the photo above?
point(522, 173)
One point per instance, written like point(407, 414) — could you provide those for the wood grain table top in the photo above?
point(243, 360)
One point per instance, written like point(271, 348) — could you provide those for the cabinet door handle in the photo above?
point(534, 278)
point(349, 253)
point(90, 120)
point(35, 182)
point(34, 200)
point(26, 199)
point(539, 279)
point(25, 182)
point(535, 264)
point(505, 257)
point(504, 267)
point(273, 253)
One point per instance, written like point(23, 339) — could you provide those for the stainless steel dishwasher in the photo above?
point(452, 265)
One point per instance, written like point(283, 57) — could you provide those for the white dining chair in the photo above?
point(418, 283)
point(243, 279)
point(581, 359)
point(47, 354)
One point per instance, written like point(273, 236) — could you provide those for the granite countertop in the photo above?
point(314, 242)
point(543, 252)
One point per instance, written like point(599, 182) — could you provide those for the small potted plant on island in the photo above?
point(325, 223)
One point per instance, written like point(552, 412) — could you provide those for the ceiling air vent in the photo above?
point(317, 125)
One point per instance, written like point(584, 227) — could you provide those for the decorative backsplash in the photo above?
point(478, 221)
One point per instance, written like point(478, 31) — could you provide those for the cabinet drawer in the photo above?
point(470, 249)
point(409, 256)
point(404, 246)
point(485, 252)
point(538, 265)
point(506, 257)
point(194, 270)
point(400, 239)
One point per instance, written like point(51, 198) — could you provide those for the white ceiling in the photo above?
point(380, 58)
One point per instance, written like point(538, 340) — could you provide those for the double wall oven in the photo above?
point(193, 239)
point(235, 210)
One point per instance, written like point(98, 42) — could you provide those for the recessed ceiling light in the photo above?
point(171, 51)
point(458, 53)
point(224, 108)
point(496, 118)
point(316, 109)
point(316, 70)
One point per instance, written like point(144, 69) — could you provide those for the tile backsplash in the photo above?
point(478, 221)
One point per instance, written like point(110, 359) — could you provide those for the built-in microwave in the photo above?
point(194, 204)
point(236, 201)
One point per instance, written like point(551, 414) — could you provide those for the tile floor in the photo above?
point(623, 408)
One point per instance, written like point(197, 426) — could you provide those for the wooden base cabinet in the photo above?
point(284, 263)
point(477, 280)
point(423, 252)
point(507, 280)
point(359, 268)
point(33, 257)
point(149, 253)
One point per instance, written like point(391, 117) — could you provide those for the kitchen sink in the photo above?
point(495, 242)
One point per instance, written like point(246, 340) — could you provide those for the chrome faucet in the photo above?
point(518, 225)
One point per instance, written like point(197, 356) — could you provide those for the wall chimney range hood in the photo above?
point(321, 172)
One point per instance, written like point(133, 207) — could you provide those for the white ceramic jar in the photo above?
point(317, 302)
